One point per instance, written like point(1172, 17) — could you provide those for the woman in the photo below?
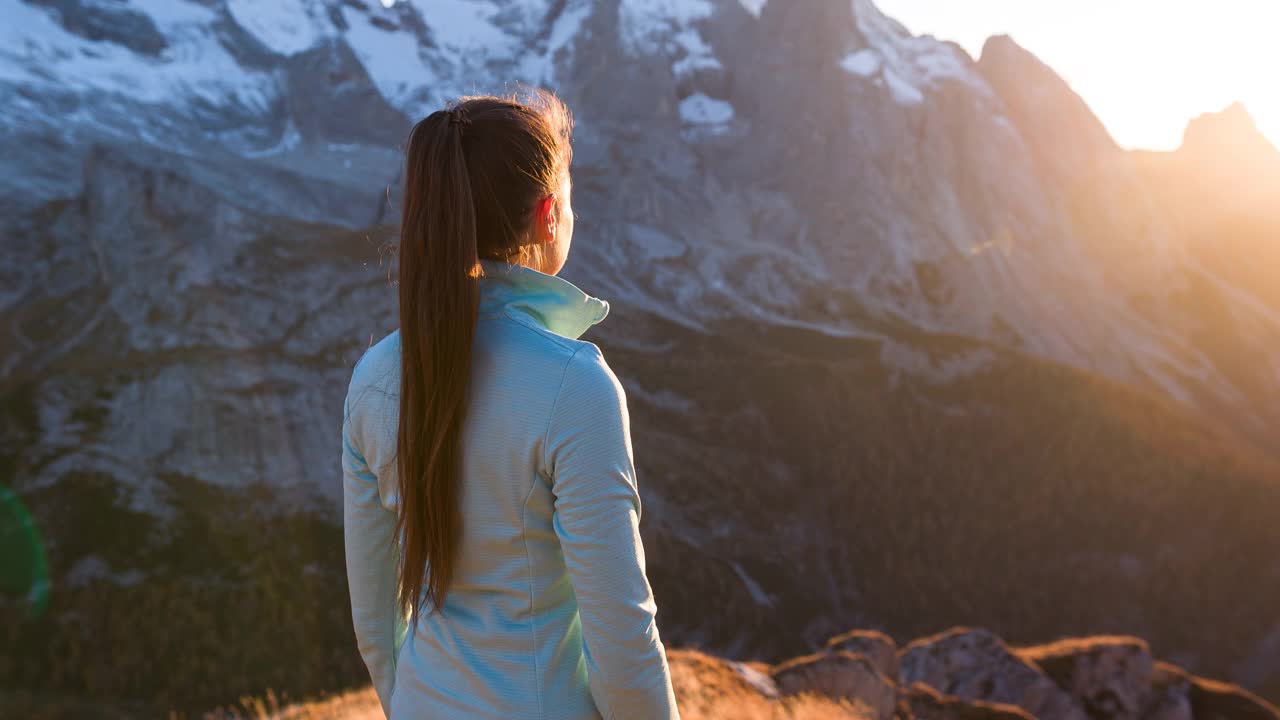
point(494, 446)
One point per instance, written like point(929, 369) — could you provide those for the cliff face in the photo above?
point(908, 341)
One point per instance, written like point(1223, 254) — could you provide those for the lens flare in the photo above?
point(24, 570)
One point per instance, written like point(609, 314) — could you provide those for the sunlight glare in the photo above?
point(1146, 67)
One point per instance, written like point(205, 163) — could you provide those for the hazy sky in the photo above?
point(1145, 66)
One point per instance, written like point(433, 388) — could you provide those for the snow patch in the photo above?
point(646, 24)
point(903, 92)
point(864, 62)
point(655, 27)
point(654, 244)
point(911, 65)
point(290, 140)
point(467, 26)
point(755, 7)
point(701, 109)
point(36, 51)
point(697, 53)
point(393, 59)
point(539, 68)
point(567, 26)
point(167, 14)
point(287, 27)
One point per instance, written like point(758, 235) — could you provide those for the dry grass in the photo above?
point(353, 705)
point(706, 688)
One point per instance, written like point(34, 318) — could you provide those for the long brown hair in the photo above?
point(474, 174)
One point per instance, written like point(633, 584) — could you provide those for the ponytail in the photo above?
point(473, 175)
point(439, 300)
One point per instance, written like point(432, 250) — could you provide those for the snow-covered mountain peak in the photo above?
point(222, 55)
point(907, 64)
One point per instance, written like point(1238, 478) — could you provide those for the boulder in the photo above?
point(976, 665)
point(1169, 697)
point(1212, 700)
point(840, 675)
point(921, 702)
point(1110, 677)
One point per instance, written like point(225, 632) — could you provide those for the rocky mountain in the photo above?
point(1219, 191)
point(908, 340)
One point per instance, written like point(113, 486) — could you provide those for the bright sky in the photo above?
point(1146, 67)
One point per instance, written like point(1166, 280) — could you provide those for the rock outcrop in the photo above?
point(971, 674)
point(975, 664)
point(1095, 678)
point(839, 674)
point(1110, 677)
point(922, 702)
point(876, 646)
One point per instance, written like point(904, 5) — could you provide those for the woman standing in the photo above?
point(490, 504)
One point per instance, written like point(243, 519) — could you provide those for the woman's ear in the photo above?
point(545, 220)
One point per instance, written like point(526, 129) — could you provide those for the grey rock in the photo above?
point(103, 23)
point(1109, 676)
point(1169, 698)
point(1214, 700)
point(330, 74)
point(921, 702)
point(975, 664)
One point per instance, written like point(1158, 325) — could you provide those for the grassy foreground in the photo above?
point(706, 687)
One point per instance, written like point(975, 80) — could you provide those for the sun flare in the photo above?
point(1146, 67)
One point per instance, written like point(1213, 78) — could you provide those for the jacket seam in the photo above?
point(533, 628)
point(524, 525)
point(608, 712)
point(555, 405)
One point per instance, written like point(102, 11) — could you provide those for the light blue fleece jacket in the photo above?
point(550, 614)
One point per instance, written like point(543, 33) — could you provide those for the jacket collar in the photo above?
point(555, 303)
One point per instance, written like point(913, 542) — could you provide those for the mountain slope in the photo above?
point(1219, 191)
point(907, 183)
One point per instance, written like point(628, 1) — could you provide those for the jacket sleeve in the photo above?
point(597, 514)
point(368, 528)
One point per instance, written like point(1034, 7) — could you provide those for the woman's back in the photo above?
point(548, 613)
